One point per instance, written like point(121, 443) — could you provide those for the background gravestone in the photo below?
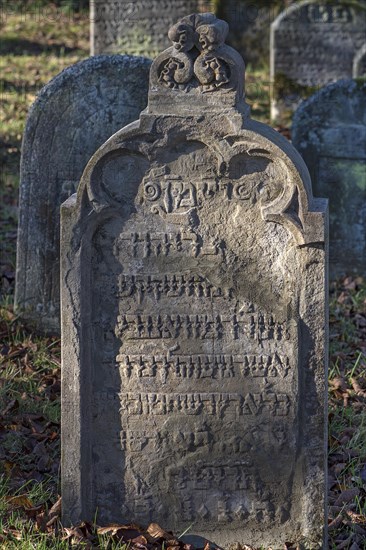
point(193, 316)
point(359, 63)
point(249, 23)
point(137, 27)
point(329, 130)
point(72, 116)
point(312, 44)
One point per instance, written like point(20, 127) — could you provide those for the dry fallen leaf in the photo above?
point(19, 501)
point(346, 496)
point(54, 512)
point(336, 522)
point(109, 529)
point(338, 383)
point(157, 532)
point(11, 406)
point(356, 386)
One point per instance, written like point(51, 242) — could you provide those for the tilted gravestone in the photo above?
point(329, 130)
point(72, 116)
point(359, 63)
point(193, 315)
point(137, 27)
point(313, 43)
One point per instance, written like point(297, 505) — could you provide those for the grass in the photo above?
point(34, 48)
point(347, 414)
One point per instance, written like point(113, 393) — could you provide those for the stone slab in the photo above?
point(359, 63)
point(194, 288)
point(72, 116)
point(137, 27)
point(313, 44)
point(329, 130)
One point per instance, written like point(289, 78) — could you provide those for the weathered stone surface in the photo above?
point(193, 316)
point(72, 116)
point(359, 63)
point(329, 130)
point(137, 27)
point(312, 44)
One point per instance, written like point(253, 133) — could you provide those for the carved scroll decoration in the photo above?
point(199, 57)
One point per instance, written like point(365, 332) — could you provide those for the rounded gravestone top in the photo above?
point(329, 131)
point(93, 64)
point(72, 116)
point(297, 14)
point(342, 101)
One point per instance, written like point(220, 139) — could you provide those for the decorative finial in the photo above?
point(198, 62)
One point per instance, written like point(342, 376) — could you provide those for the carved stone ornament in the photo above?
point(199, 62)
point(193, 316)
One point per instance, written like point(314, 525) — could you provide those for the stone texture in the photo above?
point(329, 130)
point(359, 63)
point(313, 44)
point(137, 27)
point(194, 314)
point(71, 117)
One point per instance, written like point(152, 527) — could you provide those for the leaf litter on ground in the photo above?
point(347, 415)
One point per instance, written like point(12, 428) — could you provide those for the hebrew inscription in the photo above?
point(179, 324)
point(190, 255)
point(202, 366)
point(137, 27)
point(313, 43)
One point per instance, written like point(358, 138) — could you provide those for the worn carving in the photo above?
point(171, 285)
point(313, 43)
point(193, 279)
point(202, 366)
point(199, 57)
point(137, 27)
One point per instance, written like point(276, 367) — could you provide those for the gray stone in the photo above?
point(313, 44)
point(194, 314)
point(359, 63)
point(71, 117)
point(137, 27)
point(329, 130)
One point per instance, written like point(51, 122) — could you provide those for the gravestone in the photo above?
point(71, 117)
point(329, 130)
point(193, 315)
point(249, 22)
point(249, 28)
point(359, 63)
point(313, 43)
point(137, 27)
